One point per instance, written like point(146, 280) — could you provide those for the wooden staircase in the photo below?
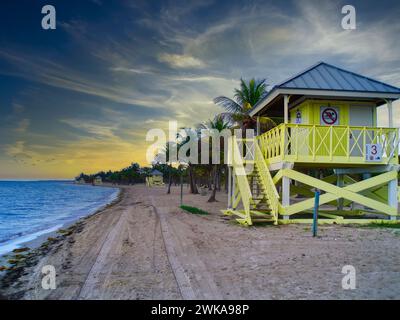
point(256, 189)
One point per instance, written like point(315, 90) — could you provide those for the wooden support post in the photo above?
point(340, 183)
point(390, 113)
point(285, 194)
point(258, 132)
point(392, 196)
point(233, 190)
point(286, 108)
point(365, 176)
point(229, 187)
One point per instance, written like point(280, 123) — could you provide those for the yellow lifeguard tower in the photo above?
point(97, 181)
point(328, 141)
point(155, 179)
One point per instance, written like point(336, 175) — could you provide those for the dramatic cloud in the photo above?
point(82, 97)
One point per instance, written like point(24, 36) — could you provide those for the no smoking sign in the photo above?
point(329, 116)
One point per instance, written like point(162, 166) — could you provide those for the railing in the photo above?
point(267, 182)
point(323, 144)
point(239, 172)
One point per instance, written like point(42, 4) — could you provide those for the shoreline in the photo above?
point(37, 242)
point(36, 238)
point(142, 246)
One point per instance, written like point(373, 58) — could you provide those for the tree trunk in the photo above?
point(214, 192)
point(169, 180)
point(193, 187)
point(219, 179)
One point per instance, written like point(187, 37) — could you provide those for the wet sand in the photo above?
point(145, 247)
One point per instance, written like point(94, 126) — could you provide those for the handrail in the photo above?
point(240, 173)
point(267, 182)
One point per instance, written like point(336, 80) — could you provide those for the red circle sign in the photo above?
point(329, 116)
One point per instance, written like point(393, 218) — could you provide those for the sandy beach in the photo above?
point(145, 247)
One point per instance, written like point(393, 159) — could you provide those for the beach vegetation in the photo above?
point(13, 261)
point(383, 224)
point(194, 210)
point(18, 250)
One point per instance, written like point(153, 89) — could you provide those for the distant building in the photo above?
point(80, 181)
point(97, 181)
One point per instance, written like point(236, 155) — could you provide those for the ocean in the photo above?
point(29, 209)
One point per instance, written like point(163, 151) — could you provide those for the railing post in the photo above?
point(313, 142)
point(348, 142)
point(331, 142)
point(283, 142)
point(364, 142)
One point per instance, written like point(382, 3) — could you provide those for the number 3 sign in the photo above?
point(373, 152)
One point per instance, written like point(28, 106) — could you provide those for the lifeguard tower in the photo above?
point(97, 181)
point(155, 179)
point(328, 141)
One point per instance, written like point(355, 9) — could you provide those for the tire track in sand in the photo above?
point(92, 278)
point(203, 285)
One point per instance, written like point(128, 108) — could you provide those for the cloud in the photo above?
point(23, 126)
point(181, 61)
point(132, 70)
point(160, 61)
point(98, 129)
point(47, 72)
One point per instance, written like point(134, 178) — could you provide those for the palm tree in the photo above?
point(182, 140)
point(163, 159)
point(245, 99)
point(219, 123)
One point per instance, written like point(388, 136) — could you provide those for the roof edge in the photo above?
point(276, 91)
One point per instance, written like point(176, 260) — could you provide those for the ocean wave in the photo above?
point(29, 210)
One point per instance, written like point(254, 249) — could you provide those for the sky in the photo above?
point(82, 97)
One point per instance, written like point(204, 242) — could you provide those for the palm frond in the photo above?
point(266, 124)
point(228, 104)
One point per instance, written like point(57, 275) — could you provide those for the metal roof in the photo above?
point(155, 172)
point(324, 76)
point(323, 79)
